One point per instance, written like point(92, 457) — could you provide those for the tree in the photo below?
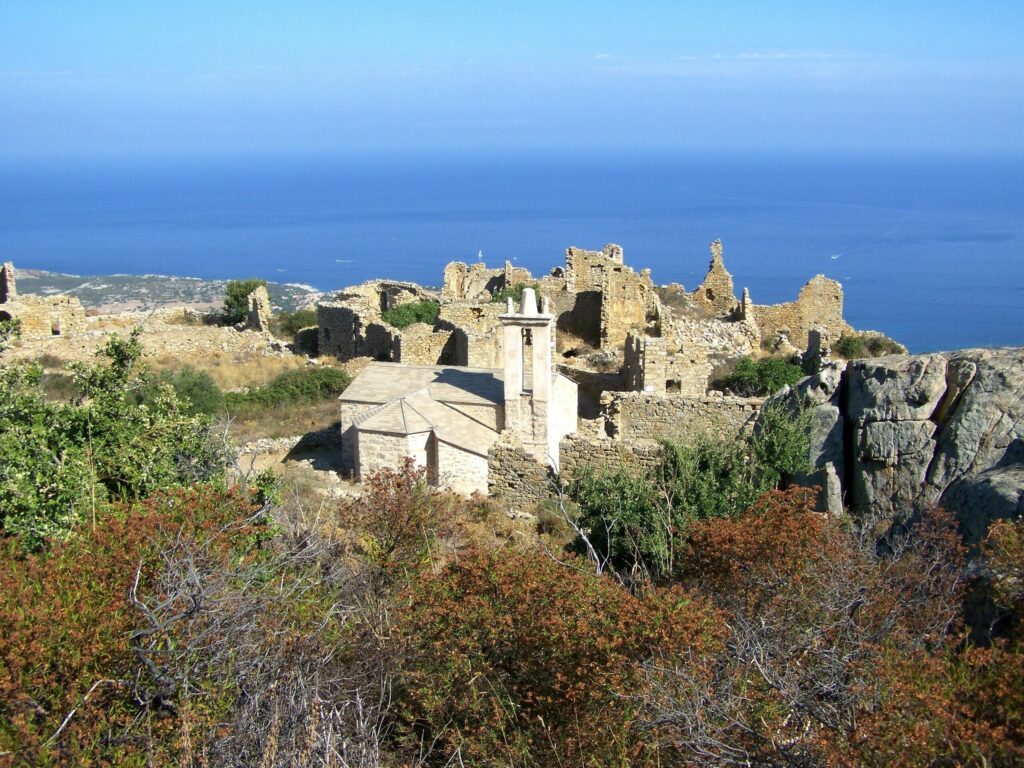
point(64, 462)
point(236, 299)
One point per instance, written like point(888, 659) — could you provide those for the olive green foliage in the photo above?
point(9, 331)
point(851, 345)
point(303, 385)
point(196, 390)
point(286, 324)
point(635, 520)
point(762, 377)
point(404, 315)
point(515, 292)
point(236, 295)
point(66, 461)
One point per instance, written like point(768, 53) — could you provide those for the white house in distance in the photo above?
point(448, 417)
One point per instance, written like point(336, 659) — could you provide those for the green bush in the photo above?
point(852, 345)
point(303, 385)
point(635, 520)
point(403, 315)
point(513, 291)
point(236, 294)
point(286, 324)
point(762, 377)
point(66, 461)
point(197, 390)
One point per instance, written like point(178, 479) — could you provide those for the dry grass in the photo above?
point(283, 421)
point(230, 371)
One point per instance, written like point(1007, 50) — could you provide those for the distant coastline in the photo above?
point(932, 249)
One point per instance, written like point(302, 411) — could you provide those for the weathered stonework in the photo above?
point(632, 416)
point(351, 324)
point(819, 305)
point(258, 318)
point(716, 294)
point(41, 316)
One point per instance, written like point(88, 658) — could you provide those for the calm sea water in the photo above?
point(928, 251)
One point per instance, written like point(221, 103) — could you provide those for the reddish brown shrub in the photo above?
point(68, 676)
point(516, 659)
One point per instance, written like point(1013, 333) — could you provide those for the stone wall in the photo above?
point(461, 471)
point(476, 333)
point(580, 453)
point(634, 416)
point(819, 304)
point(258, 316)
point(350, 325)
point(420, 344)
point(516, 478)
point(651, 367)
point(476, 283)
point(629, 304)
point(41, 317)
point(603, 299)
point(716, 295)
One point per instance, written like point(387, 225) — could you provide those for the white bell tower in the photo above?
point(528, 340)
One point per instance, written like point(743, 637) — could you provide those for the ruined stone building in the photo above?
point(40, 316)
point(448, 418)
point(608, 346)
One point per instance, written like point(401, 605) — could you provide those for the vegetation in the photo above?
point(285, 325)
point(515, 292)
point(65, 462)
point(236, 304)
point(196, 390)
point(759, 378)
point(634, 521)
point(295, 387)
point(9, 331)
point(149, 615)
point(404, 315)
point(852, 345)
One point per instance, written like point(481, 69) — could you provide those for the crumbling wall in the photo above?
point(819, 304)
point(635, 416)
point(258, 318)
point(477, 283)
point(514, 477)
point(351, 325)
point(421, 344)
point(476, 331)
point(629, 304)
point(650, 366)
point(604, 300)
point(41, 316)
point(8, 283)
point(580, 453)
point(716, 294)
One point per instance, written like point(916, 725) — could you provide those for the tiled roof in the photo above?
point(384, 382)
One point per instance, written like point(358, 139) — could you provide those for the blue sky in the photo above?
point(138, 77)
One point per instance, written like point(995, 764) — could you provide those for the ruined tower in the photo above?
point(528, 339)
point(8, 287)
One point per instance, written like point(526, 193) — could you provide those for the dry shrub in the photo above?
point(512, 658)
point(72, 690)
point(232, 371)
point(814, 611)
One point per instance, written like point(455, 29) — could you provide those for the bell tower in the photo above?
point(528, 339)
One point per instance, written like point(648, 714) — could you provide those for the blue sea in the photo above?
point(929, 250)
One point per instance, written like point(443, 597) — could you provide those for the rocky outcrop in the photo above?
point(895, 434)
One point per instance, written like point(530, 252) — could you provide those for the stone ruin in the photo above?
point(601, 306)
point(259, 312)
point(41, 316)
